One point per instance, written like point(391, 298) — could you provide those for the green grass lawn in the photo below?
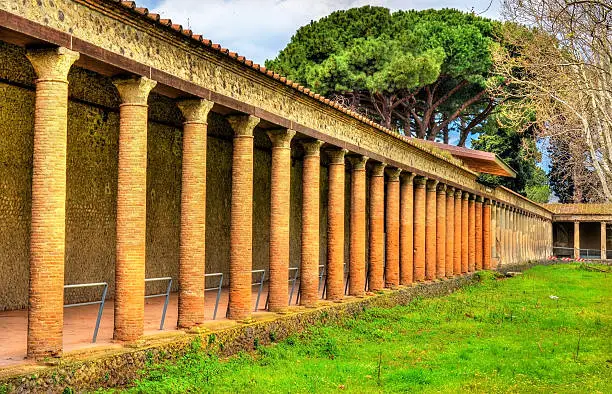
point(494, 336)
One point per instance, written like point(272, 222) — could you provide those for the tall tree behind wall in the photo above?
point(423, 73)
point(559, 76)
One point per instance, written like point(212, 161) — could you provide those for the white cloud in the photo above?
point(258, 29)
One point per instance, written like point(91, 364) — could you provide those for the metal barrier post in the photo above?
point(220, 275)
point(260, 283)
point(166, 294)
point(322, 279)
point(101, 302)
point(296, 271)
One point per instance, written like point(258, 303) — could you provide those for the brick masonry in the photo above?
point(192, 266)
point(335, 225)
point(441, 231)
point(457, 233)
point(471, 233)
point(450, 231)
point(280, 210)
point(241, 222)
point(392, 228)
point(430, 230)
point(357, 253)
point(131, 208)
point(377, 227)
point(47, 239)
point(464, 232)
point(487, 235)
point(478, 232)
point(419, 228)
point(406, 229)
point(309, 282)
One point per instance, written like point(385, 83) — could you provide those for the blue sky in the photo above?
point(259, 29)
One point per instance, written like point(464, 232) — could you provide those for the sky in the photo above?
point(259, 29)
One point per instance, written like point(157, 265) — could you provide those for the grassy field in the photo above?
point(548, 330)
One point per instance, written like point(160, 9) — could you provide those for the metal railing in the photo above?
point(292, 280)
point(101, 302)
point(582, 252)
point(166, 294)
point(218, 288)
point(262, 279)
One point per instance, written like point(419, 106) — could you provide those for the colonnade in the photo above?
point(520, 235)
point(420, 229)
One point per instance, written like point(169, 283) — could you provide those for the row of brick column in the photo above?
point(519, 236)
point(419, 229)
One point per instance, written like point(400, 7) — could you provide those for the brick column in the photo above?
point(48, 227)
point(241, 218)
point(603, 241)
point(131, 208)
point(392, 229)
point(441, 231)
point(357, 241)
point(512, 242)
point(506, 231)
point(430, 230)
point(493, 230)
point(406, 226)
point(192, 248)
point(280, 199)
point(419, 229)
point(377, 229)
point(472, 233)
point(335, 225)
point(457, 234)
point(450, 231)
point(486, 234)
point(576, 241)
point(478, 232)
point(465, 234)
point(309, 269)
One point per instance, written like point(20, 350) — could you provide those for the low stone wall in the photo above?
point(119, 365)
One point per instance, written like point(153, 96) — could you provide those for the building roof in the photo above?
point(580, 209)
point(477, 160)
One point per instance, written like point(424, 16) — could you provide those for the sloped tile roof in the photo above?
point(580, 209)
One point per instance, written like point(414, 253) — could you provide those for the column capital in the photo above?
point(465, 196)
point(336, 155)
point(441, 188)
point(312, 147)
point(281, 138)
point(378, 169)
point(407, 176)
point(243, 125)
point(52, 64)
point(488, 201)
point(358, 162)
point(450, 190)
point(393, 173)
point(432, 184)
point(458, 193)
point(195, 110)
point(134, 90)
point(479, 199)
point(420, 181)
